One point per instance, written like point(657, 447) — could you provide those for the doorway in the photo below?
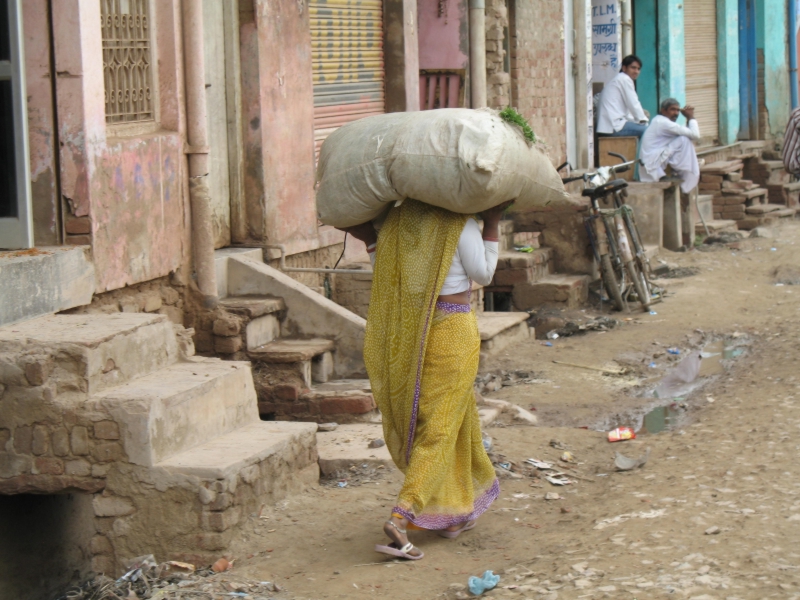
point(16, 224)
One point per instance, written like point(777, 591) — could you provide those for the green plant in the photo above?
point(509, 115)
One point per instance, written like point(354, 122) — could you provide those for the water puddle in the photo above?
point(672, 393)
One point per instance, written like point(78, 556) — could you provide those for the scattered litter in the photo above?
point(172, 580)
point(624, 463)
point(505, 465)
point(498, 379)
point(558, 479)
point(223, 564)
point(620, 434)
point(327, 426)
point(654, 313)
point(342, 484)
point(787, 275)
point(539, 464)
point(478, 585)
point(377, 443)
point(487, 441)
point(673, 351)
point(653, 365)
point(712, 530)
point(674, 383)
point(652, 514)
point(528, 249)
point(557, 445)
point(773, 249)
point(568, 457)
point(552, 496)
point(552, 335)
point(547, 343)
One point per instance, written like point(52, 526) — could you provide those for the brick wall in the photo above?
point(537, 70)
point(498, 82)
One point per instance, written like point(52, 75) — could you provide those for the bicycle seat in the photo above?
point(606, 188)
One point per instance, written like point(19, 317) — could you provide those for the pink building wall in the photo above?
point(123, 193)
point(443, 40)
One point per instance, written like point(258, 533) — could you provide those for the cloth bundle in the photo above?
point(459, 159)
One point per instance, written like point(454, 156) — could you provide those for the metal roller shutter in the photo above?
point(700, 34)
point(347, 54)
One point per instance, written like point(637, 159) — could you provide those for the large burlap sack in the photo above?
point(460, 159)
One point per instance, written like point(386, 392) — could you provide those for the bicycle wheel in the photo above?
point(610, 282)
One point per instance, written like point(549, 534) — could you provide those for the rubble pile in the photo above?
point(147, 580)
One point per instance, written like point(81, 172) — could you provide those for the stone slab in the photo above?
point(180, 407)
point(225, 456)
point(116, 348)
point(763, 209)
point(491, 324)
point(488, 415)
point(262, 330)
point(570, 291)
point(252, 306)
point(349, 445)
point(717, 225)
point(290, 351)
point(41, 281)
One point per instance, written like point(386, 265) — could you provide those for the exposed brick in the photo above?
point(711, 179)
point(106, 430)
point(5, 436)
point(79, 240)
point(290, 393)
point(513, 276)
point(152, 302)
point(107, 452)
point(221, 521)
point(41, 440)
point(78, 225)
point(12, 465)
point(78, 468)
point(214, 541)
point(203, 341)
point(170, 295)
point(350, 405)
point(227, 325)
point(79, 440)
point(48, 466)
point(221, 502)
point(60, 440)
point(23, 439)
point(37, 371)
point(227, 345)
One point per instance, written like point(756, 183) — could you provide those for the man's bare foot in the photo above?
point(395, 529)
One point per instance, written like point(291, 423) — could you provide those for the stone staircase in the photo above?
point(743, 190)
point(170, 444)
point(305, 350)
point(528, 277)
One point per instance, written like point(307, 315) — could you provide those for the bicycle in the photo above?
point(612, 232)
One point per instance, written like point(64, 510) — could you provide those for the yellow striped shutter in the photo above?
point(347, 55)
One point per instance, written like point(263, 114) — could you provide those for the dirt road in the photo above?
point(715, 512)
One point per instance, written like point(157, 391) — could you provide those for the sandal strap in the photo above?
point(402, 531)
point(407, 548)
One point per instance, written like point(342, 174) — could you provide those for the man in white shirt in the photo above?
point(665, 143)
point(620, 113)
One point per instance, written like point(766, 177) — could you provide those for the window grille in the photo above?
point(127, 61)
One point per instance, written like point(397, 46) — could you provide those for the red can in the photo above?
point(620, 434)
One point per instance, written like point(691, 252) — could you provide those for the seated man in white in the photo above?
point(619, 112)
point(665, 143)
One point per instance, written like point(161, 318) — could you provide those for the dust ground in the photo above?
point(714, 514)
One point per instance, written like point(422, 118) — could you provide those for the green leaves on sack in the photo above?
point(509, 115)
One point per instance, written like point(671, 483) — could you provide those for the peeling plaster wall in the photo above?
point(443, 38)
point(123, 192)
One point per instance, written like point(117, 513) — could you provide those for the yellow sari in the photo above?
point(422, 358)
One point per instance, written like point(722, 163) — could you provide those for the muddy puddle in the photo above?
point(670, 395)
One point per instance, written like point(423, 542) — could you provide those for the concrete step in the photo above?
point(105, 350)
point(282, 451)
point(520, 267)
point(342, 401)
point(762, 209)
point(499, 329)
point(566, 291)
point(722, 167)
point(306, 361)
point(716, 226)
point(348, 445)
point(255, 320)
point(222, 260)
point(179, 407)
point(767, 219)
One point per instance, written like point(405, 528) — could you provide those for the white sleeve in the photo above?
point(478, 257)
point(632, 102)
point(692, 131)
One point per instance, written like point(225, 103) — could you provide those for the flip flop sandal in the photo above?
point(454, 534)
point(393, 550)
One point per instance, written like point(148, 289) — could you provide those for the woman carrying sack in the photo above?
point(421, 351)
